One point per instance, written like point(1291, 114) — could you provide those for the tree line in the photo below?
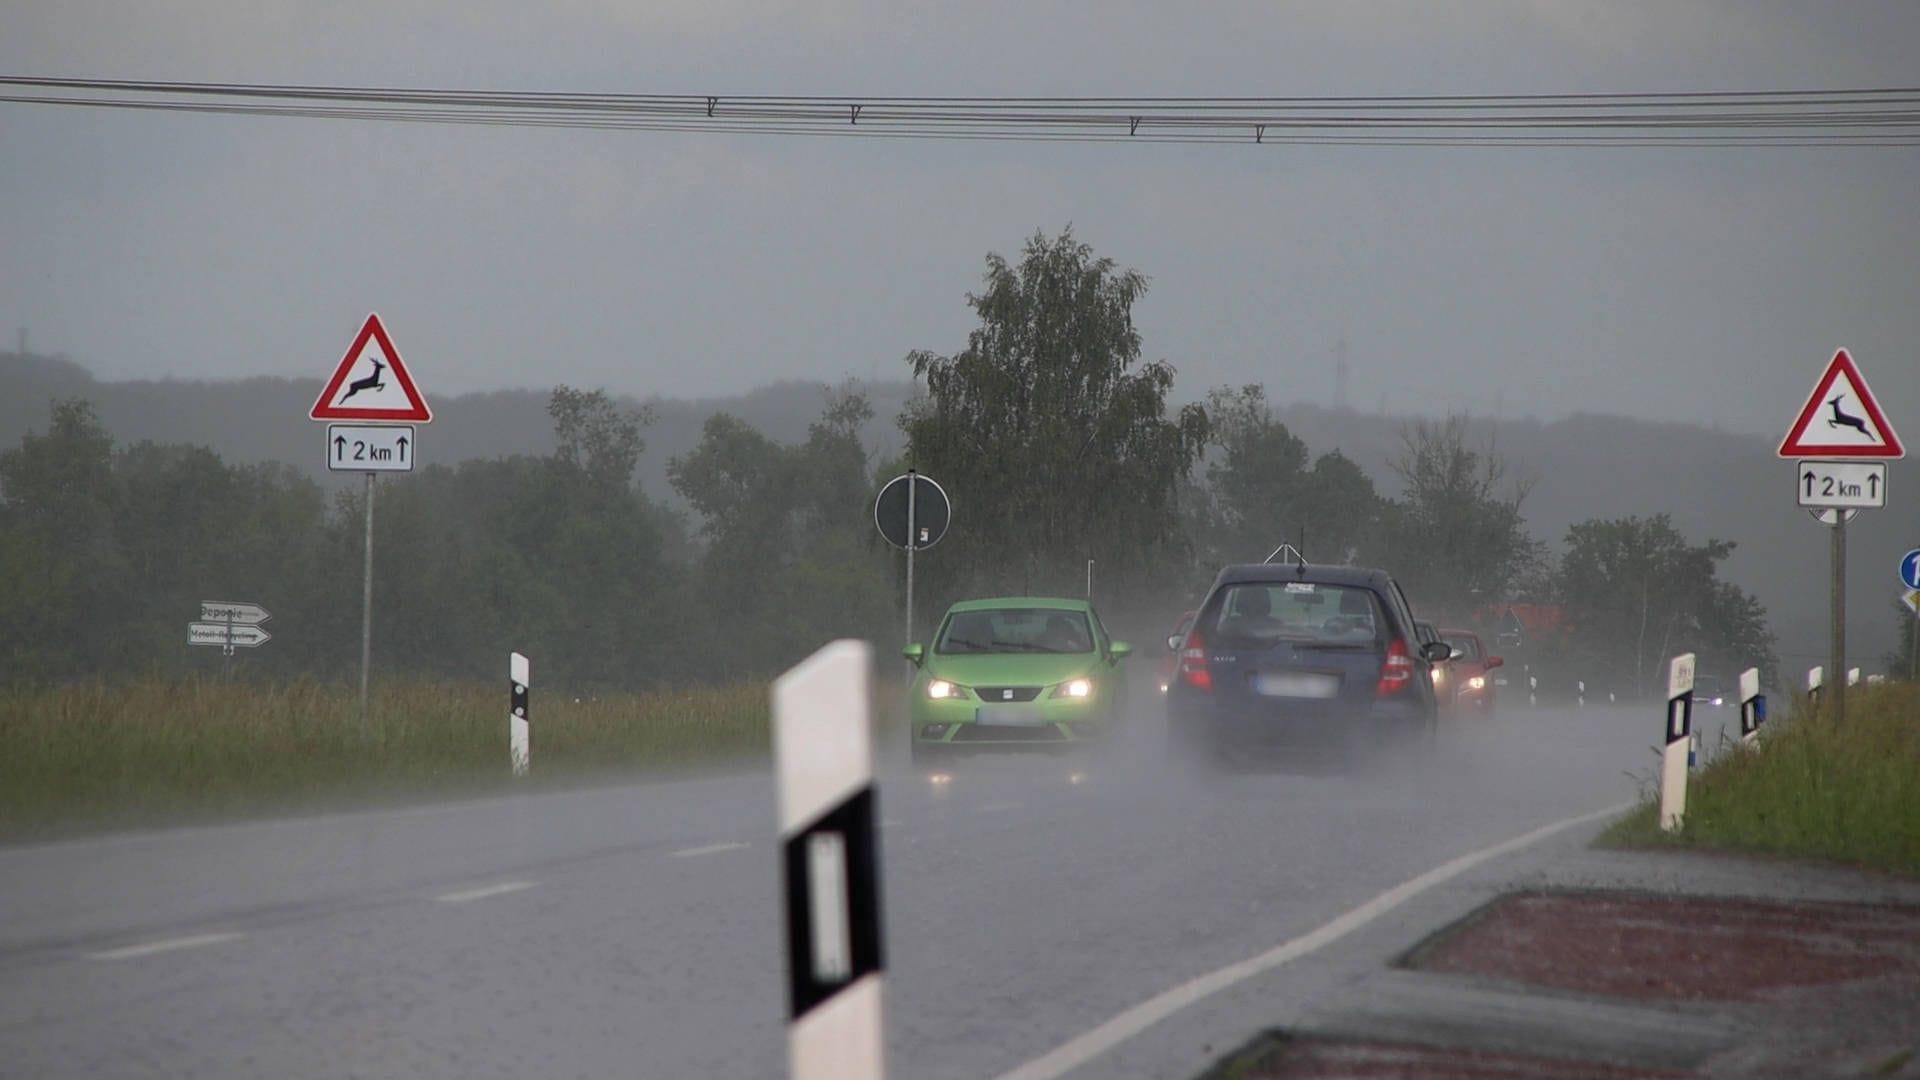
point(1050, 430)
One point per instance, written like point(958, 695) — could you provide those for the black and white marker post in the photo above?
point(1753, 706)
point(519, 752)
point(823, 753)
point(1673, 762)
point(1816, 676)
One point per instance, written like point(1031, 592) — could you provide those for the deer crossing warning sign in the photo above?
point(371, 383)
point(1841, 419)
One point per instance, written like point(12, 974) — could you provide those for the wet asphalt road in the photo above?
point(634, 930)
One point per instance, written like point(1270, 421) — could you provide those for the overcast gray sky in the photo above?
point(1684, 284)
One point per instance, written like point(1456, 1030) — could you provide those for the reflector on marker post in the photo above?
point(519, 748)
point(823, 755)
point(1673, 761)
point(1753, 706)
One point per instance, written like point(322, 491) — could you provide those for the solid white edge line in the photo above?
point(130, 952)
point(707, 849)
point(1082, 1049)
point(484, 891)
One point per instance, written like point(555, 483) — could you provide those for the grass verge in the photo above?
point(103, 755)
point(1810, 790)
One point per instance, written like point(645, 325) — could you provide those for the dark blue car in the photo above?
point(1300, 657)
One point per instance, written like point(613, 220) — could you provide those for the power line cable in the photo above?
point(1867, 117)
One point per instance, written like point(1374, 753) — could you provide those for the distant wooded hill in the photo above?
point(1584, 466)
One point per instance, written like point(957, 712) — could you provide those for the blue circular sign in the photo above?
point(1910, 569)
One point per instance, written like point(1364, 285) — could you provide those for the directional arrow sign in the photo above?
point(238, 635)
point(233, 611)
point(370, 447)
point(1843, 484)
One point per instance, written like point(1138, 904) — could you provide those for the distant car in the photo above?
point(1301, 658)
point(1709, 691)
point(1470, 671)
point(1015, 672)
point(1163, 671)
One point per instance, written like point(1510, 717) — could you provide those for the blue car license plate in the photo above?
point(1295, 684)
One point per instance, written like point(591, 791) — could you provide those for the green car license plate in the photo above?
point(1009, 716)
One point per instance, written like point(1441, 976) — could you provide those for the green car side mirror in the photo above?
point(1119, 650)
point(915, 653)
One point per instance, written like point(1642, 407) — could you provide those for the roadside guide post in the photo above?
point(1580, 694)
point(1853, 676)
point(519, 750)
point(1816, 678)
point(1673, 762)
point(1842, 442)
point(385, 440)
point(1753, 706)
point(830, 865)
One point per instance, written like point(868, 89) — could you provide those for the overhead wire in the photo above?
point(1865, 117)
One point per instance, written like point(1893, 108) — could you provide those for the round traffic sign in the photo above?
point(931, 511)
point(1910, 569)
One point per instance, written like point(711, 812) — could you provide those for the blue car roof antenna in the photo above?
point(1299, 559)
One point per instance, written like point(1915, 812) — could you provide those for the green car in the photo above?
point(1018, 671)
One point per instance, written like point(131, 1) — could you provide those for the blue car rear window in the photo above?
point(1253, 614)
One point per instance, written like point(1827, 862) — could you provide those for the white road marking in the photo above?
point(706, 849)
point(166, 945)
point(484, 891)
point(1082, 1049)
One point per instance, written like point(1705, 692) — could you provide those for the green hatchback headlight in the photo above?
point(1075, 688)
point(942, 690)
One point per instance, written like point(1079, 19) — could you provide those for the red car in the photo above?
point(1163, 671)
point(1470, 671)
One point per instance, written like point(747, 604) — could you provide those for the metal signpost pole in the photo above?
point(366, 612)
point(1838, 651)
point(913, 541)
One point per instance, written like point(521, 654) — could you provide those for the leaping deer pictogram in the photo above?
point(1840, 419)
point(372, 382)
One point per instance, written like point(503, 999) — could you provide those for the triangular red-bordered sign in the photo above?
point(391, 393)
point(1841, 419)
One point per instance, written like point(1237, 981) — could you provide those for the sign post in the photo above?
point(1841, 420)
point(1673, 760)
point(830, 865)
point(359, 389)
point(912, 512)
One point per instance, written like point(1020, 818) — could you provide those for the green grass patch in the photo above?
point(1811, 790)
point(161, 751)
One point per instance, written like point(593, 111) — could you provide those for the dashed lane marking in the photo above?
point(706, 849)
point(165, 945)
point(484, 891)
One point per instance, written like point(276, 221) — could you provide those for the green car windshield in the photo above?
point(1016, 630)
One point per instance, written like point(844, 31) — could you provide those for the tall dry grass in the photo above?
point(162, 750)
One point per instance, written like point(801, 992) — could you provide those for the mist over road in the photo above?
point(635, 930)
